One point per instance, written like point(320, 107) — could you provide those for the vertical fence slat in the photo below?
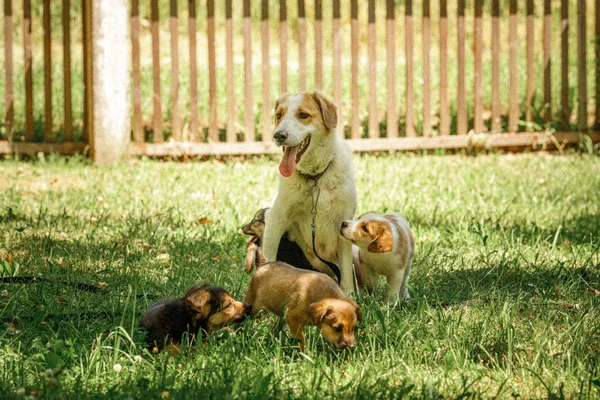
point(478, 49)
point(513, 112)
point(461, 117)
point(8, 58)
point(174, 33)
point(337, 64)
point(193, 134)
point(157, 110)
point(283, 47)
point(248, 94)
point(355, 124)
point(230, 134)
point(213, 131)
point(372, 55)
point(301, 46)
point(138, 129)
point(426, 69)
point(48, 133)
point(565, 112)
point(597, 64)
point(319, 45)
point(28, 56)
point(67, 106)
point(266, 70)
point(530, 85)
point(392, 118)
point(410, 111)
point(444, 107)
point(88, 95)
point(582, 65)
point(496, 117)
point(547, 60)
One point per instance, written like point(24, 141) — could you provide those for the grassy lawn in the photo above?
point(504, 284)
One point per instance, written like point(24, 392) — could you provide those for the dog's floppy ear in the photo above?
point(328, 110)
point(279, 100)
point(200, 302)
point(383, 242)
point(318, 311)
point(359, 314)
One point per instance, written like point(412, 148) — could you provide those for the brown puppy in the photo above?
point(288, 252)
point(204, 307)
point(305, 298)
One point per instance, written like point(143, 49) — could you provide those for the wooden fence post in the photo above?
point(110, 52)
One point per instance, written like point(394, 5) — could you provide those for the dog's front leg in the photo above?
point(274, 230)
point(347, 283)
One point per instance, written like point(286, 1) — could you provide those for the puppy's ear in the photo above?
point(318, 311)
point(328, 110)
point(383, 242)
point(200, 302)
point(260, 214)
point(359, 314)
point(279, 100)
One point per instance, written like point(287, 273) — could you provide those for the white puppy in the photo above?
point(385, 245)
point(312, 153)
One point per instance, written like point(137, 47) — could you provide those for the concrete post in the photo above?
point(110, 49)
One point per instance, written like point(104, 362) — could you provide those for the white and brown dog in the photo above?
point(313, 154)
point(385, 245)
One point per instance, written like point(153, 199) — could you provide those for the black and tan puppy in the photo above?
point(304, 298)
point(204, 307)
point(288, 252)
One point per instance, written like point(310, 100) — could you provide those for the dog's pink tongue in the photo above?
point(288, 162)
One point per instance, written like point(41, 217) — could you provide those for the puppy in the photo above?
point(304, 298)
point(386, 246)
point(289, 252)
point(316, 166)
point(204, 307)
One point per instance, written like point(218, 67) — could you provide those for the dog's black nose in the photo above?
point(344, 224)
point(280, 136)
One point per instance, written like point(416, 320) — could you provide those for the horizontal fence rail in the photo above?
point(405, 75)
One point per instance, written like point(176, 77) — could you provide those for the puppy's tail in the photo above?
point(254, 257)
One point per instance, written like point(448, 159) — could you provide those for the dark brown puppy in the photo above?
point(304, 298)
point(204, 307)
point(288, 252)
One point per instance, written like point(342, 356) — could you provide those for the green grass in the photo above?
point(502, 300)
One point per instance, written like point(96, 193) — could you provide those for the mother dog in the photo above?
point(316, 168)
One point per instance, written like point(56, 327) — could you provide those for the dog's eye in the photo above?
point(337, 328)
point(277, 117)
point(303, 115)
point(364, 229)
point(227, 305)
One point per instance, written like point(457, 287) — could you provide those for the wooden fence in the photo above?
point(418, 119)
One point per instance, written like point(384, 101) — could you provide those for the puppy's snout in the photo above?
point(347, 344)
point(247, 229)
point(344, 226)
point(247, 309)
point(280, 136)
